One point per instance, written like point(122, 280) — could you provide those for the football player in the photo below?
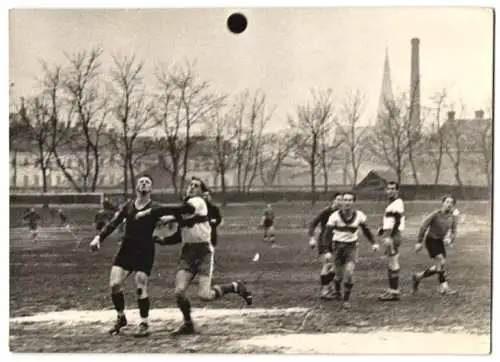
point(393, 224)
point(342, 228)
point(135, 254)
point(327, 272)
point(438, 229)
point(267, 222)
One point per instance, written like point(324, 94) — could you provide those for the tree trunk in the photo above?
point(44, 178)
point(313, 169)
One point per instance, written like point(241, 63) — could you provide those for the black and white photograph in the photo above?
point(293, 180)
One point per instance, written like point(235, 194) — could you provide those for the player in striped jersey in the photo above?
point(342, 228)
point(393, 223)
point(438, 229)
point(325, 251)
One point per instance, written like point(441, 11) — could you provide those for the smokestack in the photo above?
point(415, 83)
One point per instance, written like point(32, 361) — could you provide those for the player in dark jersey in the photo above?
point(327, 273)
point(438, 229)
point(214, 216)
point(100, 220)
point(135, 255)
point(267, 222)
point(33, 219)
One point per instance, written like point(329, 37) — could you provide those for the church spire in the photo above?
point(386, 95)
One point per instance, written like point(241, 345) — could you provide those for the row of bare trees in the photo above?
point(79, 101)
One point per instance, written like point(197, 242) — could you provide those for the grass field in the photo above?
point(59, 297)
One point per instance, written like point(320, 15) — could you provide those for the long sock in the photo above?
point(442, 277)
point(338, 284)
point(393, 276)
point(347, 290)
point(118, 301)
point(221, 290)
point(185, 307)
point(144, 306)
point(428, 272)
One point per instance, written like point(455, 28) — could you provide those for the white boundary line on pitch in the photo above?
point(93, 316)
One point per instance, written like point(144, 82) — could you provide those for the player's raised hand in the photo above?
point(141, 214)
point(375, 247)
point(312, 242)
point(418, 247)
point(95, 244)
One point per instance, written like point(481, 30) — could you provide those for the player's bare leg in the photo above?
point(208, 292)
point(326, 275)
point(271, 236)
point(141, 283)
point(182, 280)
point(349, 282)
point(444, 289)
point(393, 293)
point(116, 279)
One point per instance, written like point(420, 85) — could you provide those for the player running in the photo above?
point(342, 228)
point(197, 255)
point(267, 222)
point(393, 223)
point(325, 251)
point(135, 254)
point(438, 229)
point(214, 216)
point(33, 219)
point(63, 219)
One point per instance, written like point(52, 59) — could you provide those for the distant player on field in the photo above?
point(438, 229)
point(32, 218)
point(63, 218)
point(135, 255)
point(342, 227)
point(393, 223)
point(197, 255)
point(267, 222)
point(325, 250)
point(214, 216)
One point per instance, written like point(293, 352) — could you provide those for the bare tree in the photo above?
point(456, 142)
point(249, 115)
point(81, 83)
point(276, 147)
point(329, 143)
point(391, 139)
point(312, 119)
point(436, 143)
point(133, 113)
point(184, 102)
point(354, 135)
point(36, 118)
point(61, 114)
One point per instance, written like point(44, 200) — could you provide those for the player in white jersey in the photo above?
point(393, 224)
point(197, 255)
point(342, 229)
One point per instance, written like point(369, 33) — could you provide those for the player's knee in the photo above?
point(206, 295)
point(440, 261)
point(141, 280)
point(393, 262)
point(115, 286)
point(349, 269)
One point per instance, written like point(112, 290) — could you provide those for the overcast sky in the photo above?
point(283, 52)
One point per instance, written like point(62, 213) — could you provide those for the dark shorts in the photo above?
point(268, 223)
point(324, 246)
point(435, 247)
point(393, 249)
point(344, 253)
point(135, 260)
point(196, 258)
point(100, 225)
